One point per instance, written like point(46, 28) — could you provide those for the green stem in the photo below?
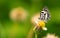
point(35, 35)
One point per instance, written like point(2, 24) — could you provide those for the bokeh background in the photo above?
point(12, 29)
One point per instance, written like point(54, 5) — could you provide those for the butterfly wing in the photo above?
point(45, 15)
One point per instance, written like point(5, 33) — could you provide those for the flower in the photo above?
point(38, 23)
point(35, 18)
point(51, 36)
point(18, 14)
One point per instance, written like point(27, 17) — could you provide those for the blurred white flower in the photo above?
point(18, 14)
point(51, 36)
point(34, 18)
point(37, 22)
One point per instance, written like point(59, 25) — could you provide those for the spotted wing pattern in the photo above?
point(45, 15)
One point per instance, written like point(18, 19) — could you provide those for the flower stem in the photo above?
point(35, 35)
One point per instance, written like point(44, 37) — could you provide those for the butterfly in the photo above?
point(44, 17)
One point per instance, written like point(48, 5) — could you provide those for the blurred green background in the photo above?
point(10, 29)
